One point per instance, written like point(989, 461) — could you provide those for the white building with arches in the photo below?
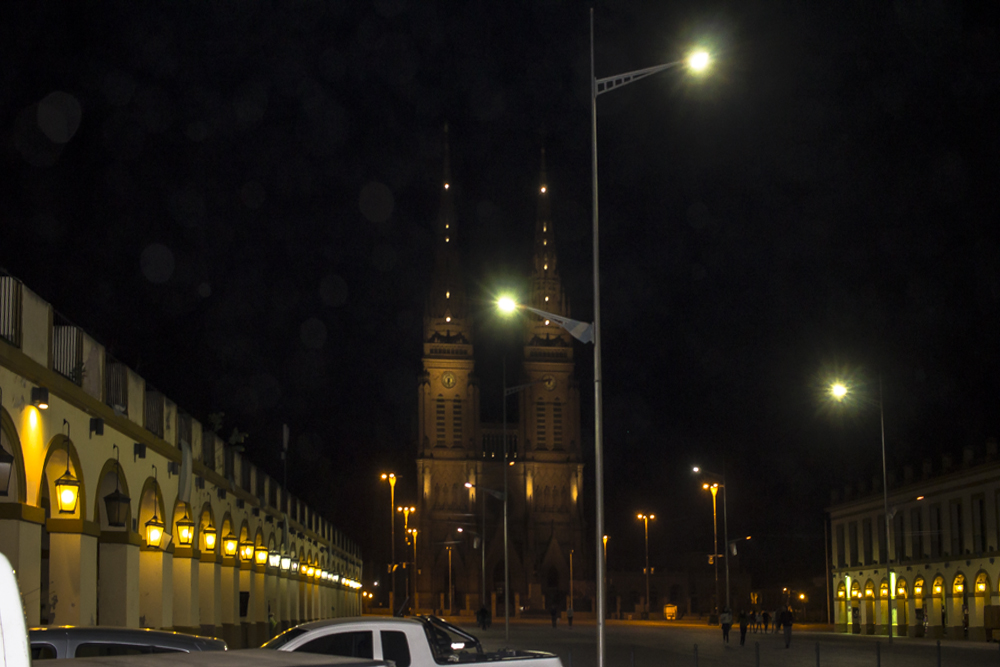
point(118, 508)
point(936, 573)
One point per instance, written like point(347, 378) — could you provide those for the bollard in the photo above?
point(878, 654)
point(756, 651)
point(939, 652)
point(817, 655)
point(633, 656)
point(695, 655)
point(571, 658)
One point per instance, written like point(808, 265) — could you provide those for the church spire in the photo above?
point(546, 287)
point(446, 307)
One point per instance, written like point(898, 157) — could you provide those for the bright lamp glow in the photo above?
point(229, 545)
point(699, 61)
point(67, 492)
point(286, 562)
point(506, 304)
point(274, 559)
point(838, 390)
point(185, 530)
point(209, 534)
point(154, 531)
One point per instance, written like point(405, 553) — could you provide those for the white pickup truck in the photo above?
point(420, 641)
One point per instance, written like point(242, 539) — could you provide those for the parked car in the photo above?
point(421, 641)
point(87, 642)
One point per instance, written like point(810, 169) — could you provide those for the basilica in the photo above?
point(467, 469)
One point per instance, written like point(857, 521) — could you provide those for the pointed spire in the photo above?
point(446, 220)
point(545, 255)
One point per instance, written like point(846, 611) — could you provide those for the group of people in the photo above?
point(758, 621)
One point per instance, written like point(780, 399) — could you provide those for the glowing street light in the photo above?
point(391, 478)
point(699, 61)
point(714, 488)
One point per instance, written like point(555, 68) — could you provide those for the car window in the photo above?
point(395, 648)
point(101, 649)
point(43, 652)
point(350, 644)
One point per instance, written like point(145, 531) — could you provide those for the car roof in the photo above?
point(381, 620)
point(165, 638)
point(240, 658)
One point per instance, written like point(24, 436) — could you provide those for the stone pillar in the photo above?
point(934, 623)
point(73, 571)
point(493, 605)
point(867, 609)
point(977, 619)
point(244, 600)
point(186, 597)
point(292, 591)
point(882, 616)
point(956, 617)
point(156, 601)
point(118, 594)
point(210, 594)
point(911, 616)
point(230, 597)
point(21, 543)
point(284, 598)
point(258, 606)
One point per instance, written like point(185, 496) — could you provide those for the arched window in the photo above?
point(958, 586)
point(841, 591)
point(918, 587)
point(870, 590)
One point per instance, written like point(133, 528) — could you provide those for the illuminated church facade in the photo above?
point(461, 463)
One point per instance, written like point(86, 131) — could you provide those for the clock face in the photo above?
point(448, 379)
point(550, 382)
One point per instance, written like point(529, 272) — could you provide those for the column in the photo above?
point(258, 605)
point(934, 623)
point(956, 616)
point(156, 600)
point(21, 543)
point(284, 602)
point(230, 598)
point(246, 576)
point(977, 620)
point(73, 571)
point(118, 594)
point(867, 610)
point(210, 594)
point(186, 596)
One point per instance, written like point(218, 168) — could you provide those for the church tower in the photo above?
point(551, 464)
point(448, 418)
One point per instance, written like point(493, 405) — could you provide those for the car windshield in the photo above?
point(285, 637)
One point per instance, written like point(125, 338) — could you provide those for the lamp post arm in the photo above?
point(582, 331)
point(609, 83)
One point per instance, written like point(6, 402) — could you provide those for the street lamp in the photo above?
point(391, 478)
point(502, 496)
point(840, 391)
point(598, 86)
point(714, 488)
point(413, 531)
point(645, 518)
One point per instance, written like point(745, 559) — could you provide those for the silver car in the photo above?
point(87, 642)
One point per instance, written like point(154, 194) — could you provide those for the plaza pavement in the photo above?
point(664, 644)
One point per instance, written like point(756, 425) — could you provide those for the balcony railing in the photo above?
point(10, 310)
point(154, 412)
point(116, 385)
point(67, 350)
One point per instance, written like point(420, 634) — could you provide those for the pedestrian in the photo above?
point(786, 623)
point(726, 620)
point(272, 624)
point(758, 621)
point(569, 617)
point(744, 620)
point(555, 615)
point(481, 617)
point(776, 626)
point(767, 620)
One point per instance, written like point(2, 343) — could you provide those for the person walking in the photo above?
point(726, 621)
point(758, 621)
point(786, 623)
point(767, 621)
point(744, 621)
point(776, 626)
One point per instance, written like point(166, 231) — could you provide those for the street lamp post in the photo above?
point(416, 602)
point(645, 518)
point(840, 391)
point(697, 62)
point(391, 477)
point(714, 488)
point(499, 495)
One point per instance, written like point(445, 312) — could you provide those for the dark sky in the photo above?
point(236, 198)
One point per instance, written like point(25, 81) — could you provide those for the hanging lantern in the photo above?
point(295, 565)
point(229, 545)
point(286, 562)
point(67, 492)
point(185, 530)
point(246, 551)
point(116, 503)
point(6, 466)
point(274, 559)
point(154, 531)
point(209, 534)
point(260, 555)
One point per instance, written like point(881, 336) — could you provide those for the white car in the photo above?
point(421, 641)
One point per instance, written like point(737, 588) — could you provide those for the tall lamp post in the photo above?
point(502, 496)
point(840, 391)
point(645, 518)
point(391, 478)
point(714, 488)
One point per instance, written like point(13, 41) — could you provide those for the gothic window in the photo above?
point(439, 407)
point(557, 434)
point(540, 430)
point(456, 423)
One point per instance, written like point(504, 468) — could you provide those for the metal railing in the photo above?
point(10, 309)
point(67, 350)
point(153, 412)
point(116, 385)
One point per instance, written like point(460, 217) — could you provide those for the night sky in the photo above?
point(237, 199)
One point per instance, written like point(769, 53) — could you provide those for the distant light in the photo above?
point(838, 390)
point(696, 469)
point(699, 61)
point(543, 189)
point(920, 497)
point(506, 304)
point(446, 186)
point(468, 485)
